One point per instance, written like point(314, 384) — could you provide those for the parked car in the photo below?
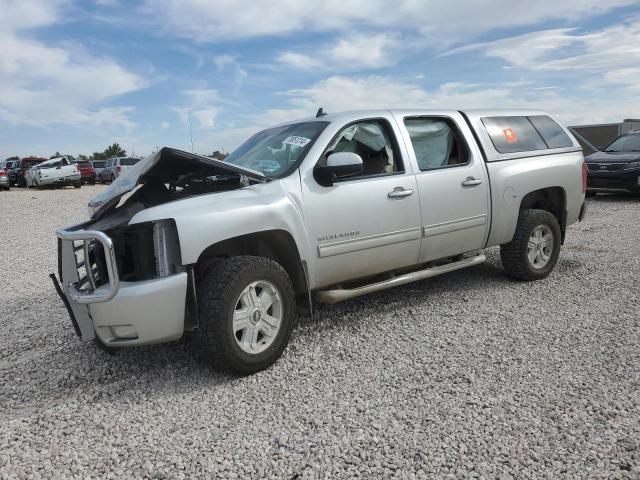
point(326, 208)
point(20, 167)
point(616, 166)
point(87, 172)
point(98, 166)
point(7, 165)
point(56, 172)
point(115, 167)
point(5, 184)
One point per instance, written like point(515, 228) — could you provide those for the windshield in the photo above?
point(127, 162)
point(626, 143)
point(276, 151)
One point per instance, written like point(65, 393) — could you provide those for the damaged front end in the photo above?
point(125, 283)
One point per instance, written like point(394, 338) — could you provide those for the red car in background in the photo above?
point(87, 172)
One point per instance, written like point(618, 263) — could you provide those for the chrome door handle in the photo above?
point(400, 192)
point(471, 182)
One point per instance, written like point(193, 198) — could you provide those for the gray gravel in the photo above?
point(466, 375)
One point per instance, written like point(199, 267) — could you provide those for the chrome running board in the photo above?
point(338, 295)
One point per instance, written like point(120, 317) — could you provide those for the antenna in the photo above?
point(191, 132)
point(320, 113)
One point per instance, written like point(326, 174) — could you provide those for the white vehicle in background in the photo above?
point(56, 172)
point(115, 167)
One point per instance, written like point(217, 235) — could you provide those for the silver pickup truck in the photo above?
point(324, 209)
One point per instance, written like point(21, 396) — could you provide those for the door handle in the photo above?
point(400, 192)
point(471, 182)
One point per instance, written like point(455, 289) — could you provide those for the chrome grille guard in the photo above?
point(82, 288)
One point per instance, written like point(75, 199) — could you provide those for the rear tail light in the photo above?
point(3, 173)
point(118, 169)
point(584, 176)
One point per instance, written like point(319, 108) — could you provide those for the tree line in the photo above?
point(115, 150)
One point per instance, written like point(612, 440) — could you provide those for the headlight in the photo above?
point(632, 166)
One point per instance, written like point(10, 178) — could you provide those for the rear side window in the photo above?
point(128, 161)
point(552, 133)
point(513, 134)
point(435, 143)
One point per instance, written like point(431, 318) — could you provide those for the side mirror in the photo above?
point(338, 165)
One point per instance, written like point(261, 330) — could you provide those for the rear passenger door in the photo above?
point(452, 185)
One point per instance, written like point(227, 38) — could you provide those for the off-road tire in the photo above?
point(77, 184)
point(218, 290)
point(514, 254)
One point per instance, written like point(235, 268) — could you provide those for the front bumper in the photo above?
point(4, 182)
point(620, 180)
point(118, 313)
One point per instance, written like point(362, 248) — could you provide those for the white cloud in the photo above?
point(340, 93)
point(222, 61)
point(354, 51)
point(215, 20)
point(613, 52)
point(19, 14)
point(201, 107)
point(41, 84)
point(299, 60)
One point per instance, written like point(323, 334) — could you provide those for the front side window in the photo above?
point(371, 140)
point(275, 152)
point(435, 143)
point(626, 143)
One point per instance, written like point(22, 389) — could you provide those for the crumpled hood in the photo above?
point(605, 157)
point(166, 165)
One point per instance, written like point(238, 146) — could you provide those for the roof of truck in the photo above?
point(350, 115)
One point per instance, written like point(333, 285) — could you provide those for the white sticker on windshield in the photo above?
point(297, 141)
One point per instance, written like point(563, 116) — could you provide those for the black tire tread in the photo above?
point(215, 298)
point(513, 254)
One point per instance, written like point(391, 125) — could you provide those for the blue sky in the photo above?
point(76, 76)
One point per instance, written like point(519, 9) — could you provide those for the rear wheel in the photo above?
point(533, 252)
point(77, 184)
point(246, 311)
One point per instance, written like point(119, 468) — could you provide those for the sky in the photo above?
point(78, 75)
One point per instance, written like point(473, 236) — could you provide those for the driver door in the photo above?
point(365, 224)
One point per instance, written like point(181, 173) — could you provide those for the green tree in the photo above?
point(218, 155)
point(82, 157)
point(114, 151)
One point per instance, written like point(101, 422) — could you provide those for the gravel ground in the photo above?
point(466, 375)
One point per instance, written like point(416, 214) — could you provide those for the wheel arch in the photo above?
point(278, 245)
point(551, 199)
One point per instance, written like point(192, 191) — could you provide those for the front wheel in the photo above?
point(246, 311)
point(533, 252)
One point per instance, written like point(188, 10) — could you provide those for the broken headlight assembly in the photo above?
point(148, 250)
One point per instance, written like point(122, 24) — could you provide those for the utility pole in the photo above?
point(191, 132)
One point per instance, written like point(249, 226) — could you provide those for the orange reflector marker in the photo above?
point(510, 135)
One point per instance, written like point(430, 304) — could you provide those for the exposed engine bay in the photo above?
point(163, 177)
point(150, 250)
